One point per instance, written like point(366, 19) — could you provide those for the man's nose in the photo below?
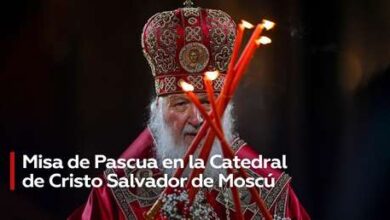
point(195, 117)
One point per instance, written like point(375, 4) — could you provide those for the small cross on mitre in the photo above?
point(188, 3)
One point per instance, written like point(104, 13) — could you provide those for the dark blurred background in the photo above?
point(73, 80)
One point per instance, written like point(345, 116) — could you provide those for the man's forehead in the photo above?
point(172, 97)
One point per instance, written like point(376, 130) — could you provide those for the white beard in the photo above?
point(167, 147)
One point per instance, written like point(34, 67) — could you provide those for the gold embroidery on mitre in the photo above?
point(222, 32)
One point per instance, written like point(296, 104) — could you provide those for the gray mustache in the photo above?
point(190, 129)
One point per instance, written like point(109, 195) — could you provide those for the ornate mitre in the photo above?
point(185, 43)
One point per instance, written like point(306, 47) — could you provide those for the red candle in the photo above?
point(223, 101)
point(222, 105)
point(206, 151)
point(236, 48)
point(229, 153)
point(243, 173)
point(255, 35)
point(199, 106)
point(208, 79)
point(250, 47)
point(204, 154)
point(237, 42)
point(241, 68)
point(151, 213)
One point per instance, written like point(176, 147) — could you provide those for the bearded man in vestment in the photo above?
point(169, 40)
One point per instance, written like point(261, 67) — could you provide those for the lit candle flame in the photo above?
point(268, 24)
point(263, 40)
point(211, 75)
point(186, 86)
point(246, 24)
